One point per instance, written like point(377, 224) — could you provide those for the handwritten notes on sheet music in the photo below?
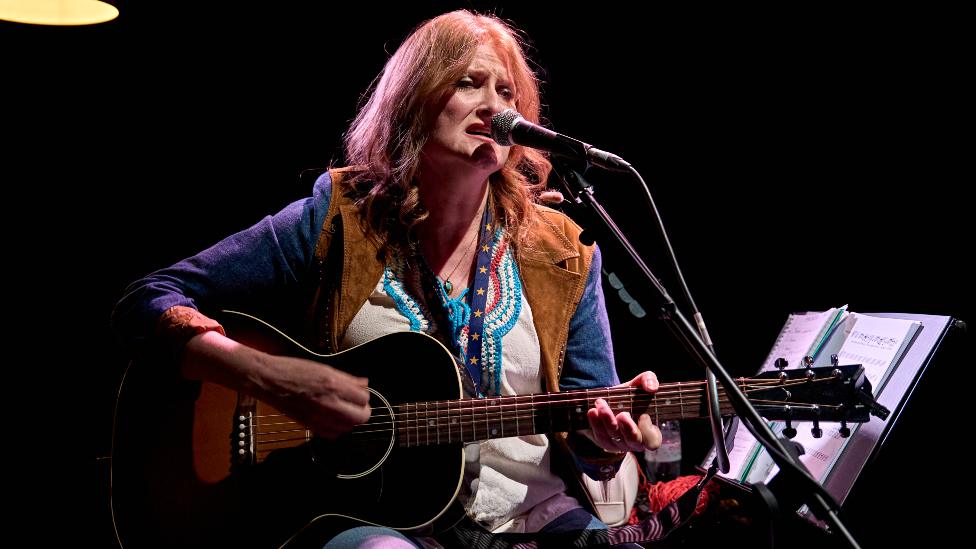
point(877, 343)
point(797, 338)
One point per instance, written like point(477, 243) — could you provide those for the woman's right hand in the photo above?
point(328, 401)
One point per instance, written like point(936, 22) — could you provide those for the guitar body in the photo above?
point(195, 465)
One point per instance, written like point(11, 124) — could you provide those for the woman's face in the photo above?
point(461, 136)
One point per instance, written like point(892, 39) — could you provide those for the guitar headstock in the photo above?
point(832, 393)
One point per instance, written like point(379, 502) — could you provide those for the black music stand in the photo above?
point(861, 450)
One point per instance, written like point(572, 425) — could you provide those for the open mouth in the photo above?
point(483, 132)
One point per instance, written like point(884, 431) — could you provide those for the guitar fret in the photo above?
point(471, 421)
point(441, 423)
point(681, 400)
point(456, 420)
point(418, 424)
point(397, 421)
point(517, 419)
point(657, 413)
point(437, 421)
point(415, 423)
point(450, 422)
point(406, 422)
point(487, 428)
point(550, 417)
point(501, 419)
point(474, 430)
point(461, 419)
point(533, 414)
point(505, 404)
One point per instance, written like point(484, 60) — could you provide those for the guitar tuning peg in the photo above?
point(816, 431)
point(789, 431)
point(781, 363)
point(844, 430)
point(807, 361)
point(834, 360)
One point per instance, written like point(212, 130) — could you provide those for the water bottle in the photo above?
point(665, 463)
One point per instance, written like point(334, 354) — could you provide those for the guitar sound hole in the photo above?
point(362, 451)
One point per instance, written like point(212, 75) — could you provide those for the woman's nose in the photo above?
point(492, 103)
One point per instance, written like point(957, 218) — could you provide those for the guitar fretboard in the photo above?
point(471, 420)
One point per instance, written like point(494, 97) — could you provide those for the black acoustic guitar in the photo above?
point(199, 465)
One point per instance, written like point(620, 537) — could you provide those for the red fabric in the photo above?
point(661, 494)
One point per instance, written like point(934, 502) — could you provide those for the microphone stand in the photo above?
point(802, 487)
point(721, 461)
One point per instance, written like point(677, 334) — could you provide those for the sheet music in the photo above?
point(877, 343)
point(874, 342)
point(798, 337)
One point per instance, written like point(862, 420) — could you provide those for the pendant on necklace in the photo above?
point(448, 287)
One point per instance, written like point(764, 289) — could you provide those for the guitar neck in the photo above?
point(472, 420)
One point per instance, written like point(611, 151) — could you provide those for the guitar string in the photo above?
point(422, 421)
point(416, 438)
point(425, 423)
point(427, 420)
point(554, 398)
point(449, 421)
point(450, 414)
point(442, 421)
point(618, 392)
point(422, 431)
point(474, 425)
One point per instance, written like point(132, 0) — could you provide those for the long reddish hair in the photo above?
point(389, 132)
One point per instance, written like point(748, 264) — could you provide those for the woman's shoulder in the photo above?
point(347, 182)
point(556, 221)
point(554, 238)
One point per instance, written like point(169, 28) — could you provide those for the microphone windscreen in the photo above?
point(501, 126)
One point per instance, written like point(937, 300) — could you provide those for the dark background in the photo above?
point(801, 159)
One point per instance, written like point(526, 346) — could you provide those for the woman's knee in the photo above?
point(370, 537)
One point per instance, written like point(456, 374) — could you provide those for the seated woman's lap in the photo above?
point(374, 537)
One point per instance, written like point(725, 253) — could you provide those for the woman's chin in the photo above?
point(487, 157)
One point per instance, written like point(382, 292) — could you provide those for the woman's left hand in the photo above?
point(619, 432)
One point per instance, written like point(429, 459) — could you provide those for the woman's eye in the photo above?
point(465, 83)
point(507, 93)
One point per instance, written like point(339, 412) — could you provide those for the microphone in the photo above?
point(510, 128)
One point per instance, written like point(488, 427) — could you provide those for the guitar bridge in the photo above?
point(242, 434)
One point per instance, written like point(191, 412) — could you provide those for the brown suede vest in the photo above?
point(552, 262)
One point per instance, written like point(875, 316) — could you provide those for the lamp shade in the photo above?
point(57, 12)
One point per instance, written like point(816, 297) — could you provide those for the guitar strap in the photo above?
point(471, 312)
point(478, 294)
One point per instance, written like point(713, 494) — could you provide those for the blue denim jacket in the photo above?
point(263, 268)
